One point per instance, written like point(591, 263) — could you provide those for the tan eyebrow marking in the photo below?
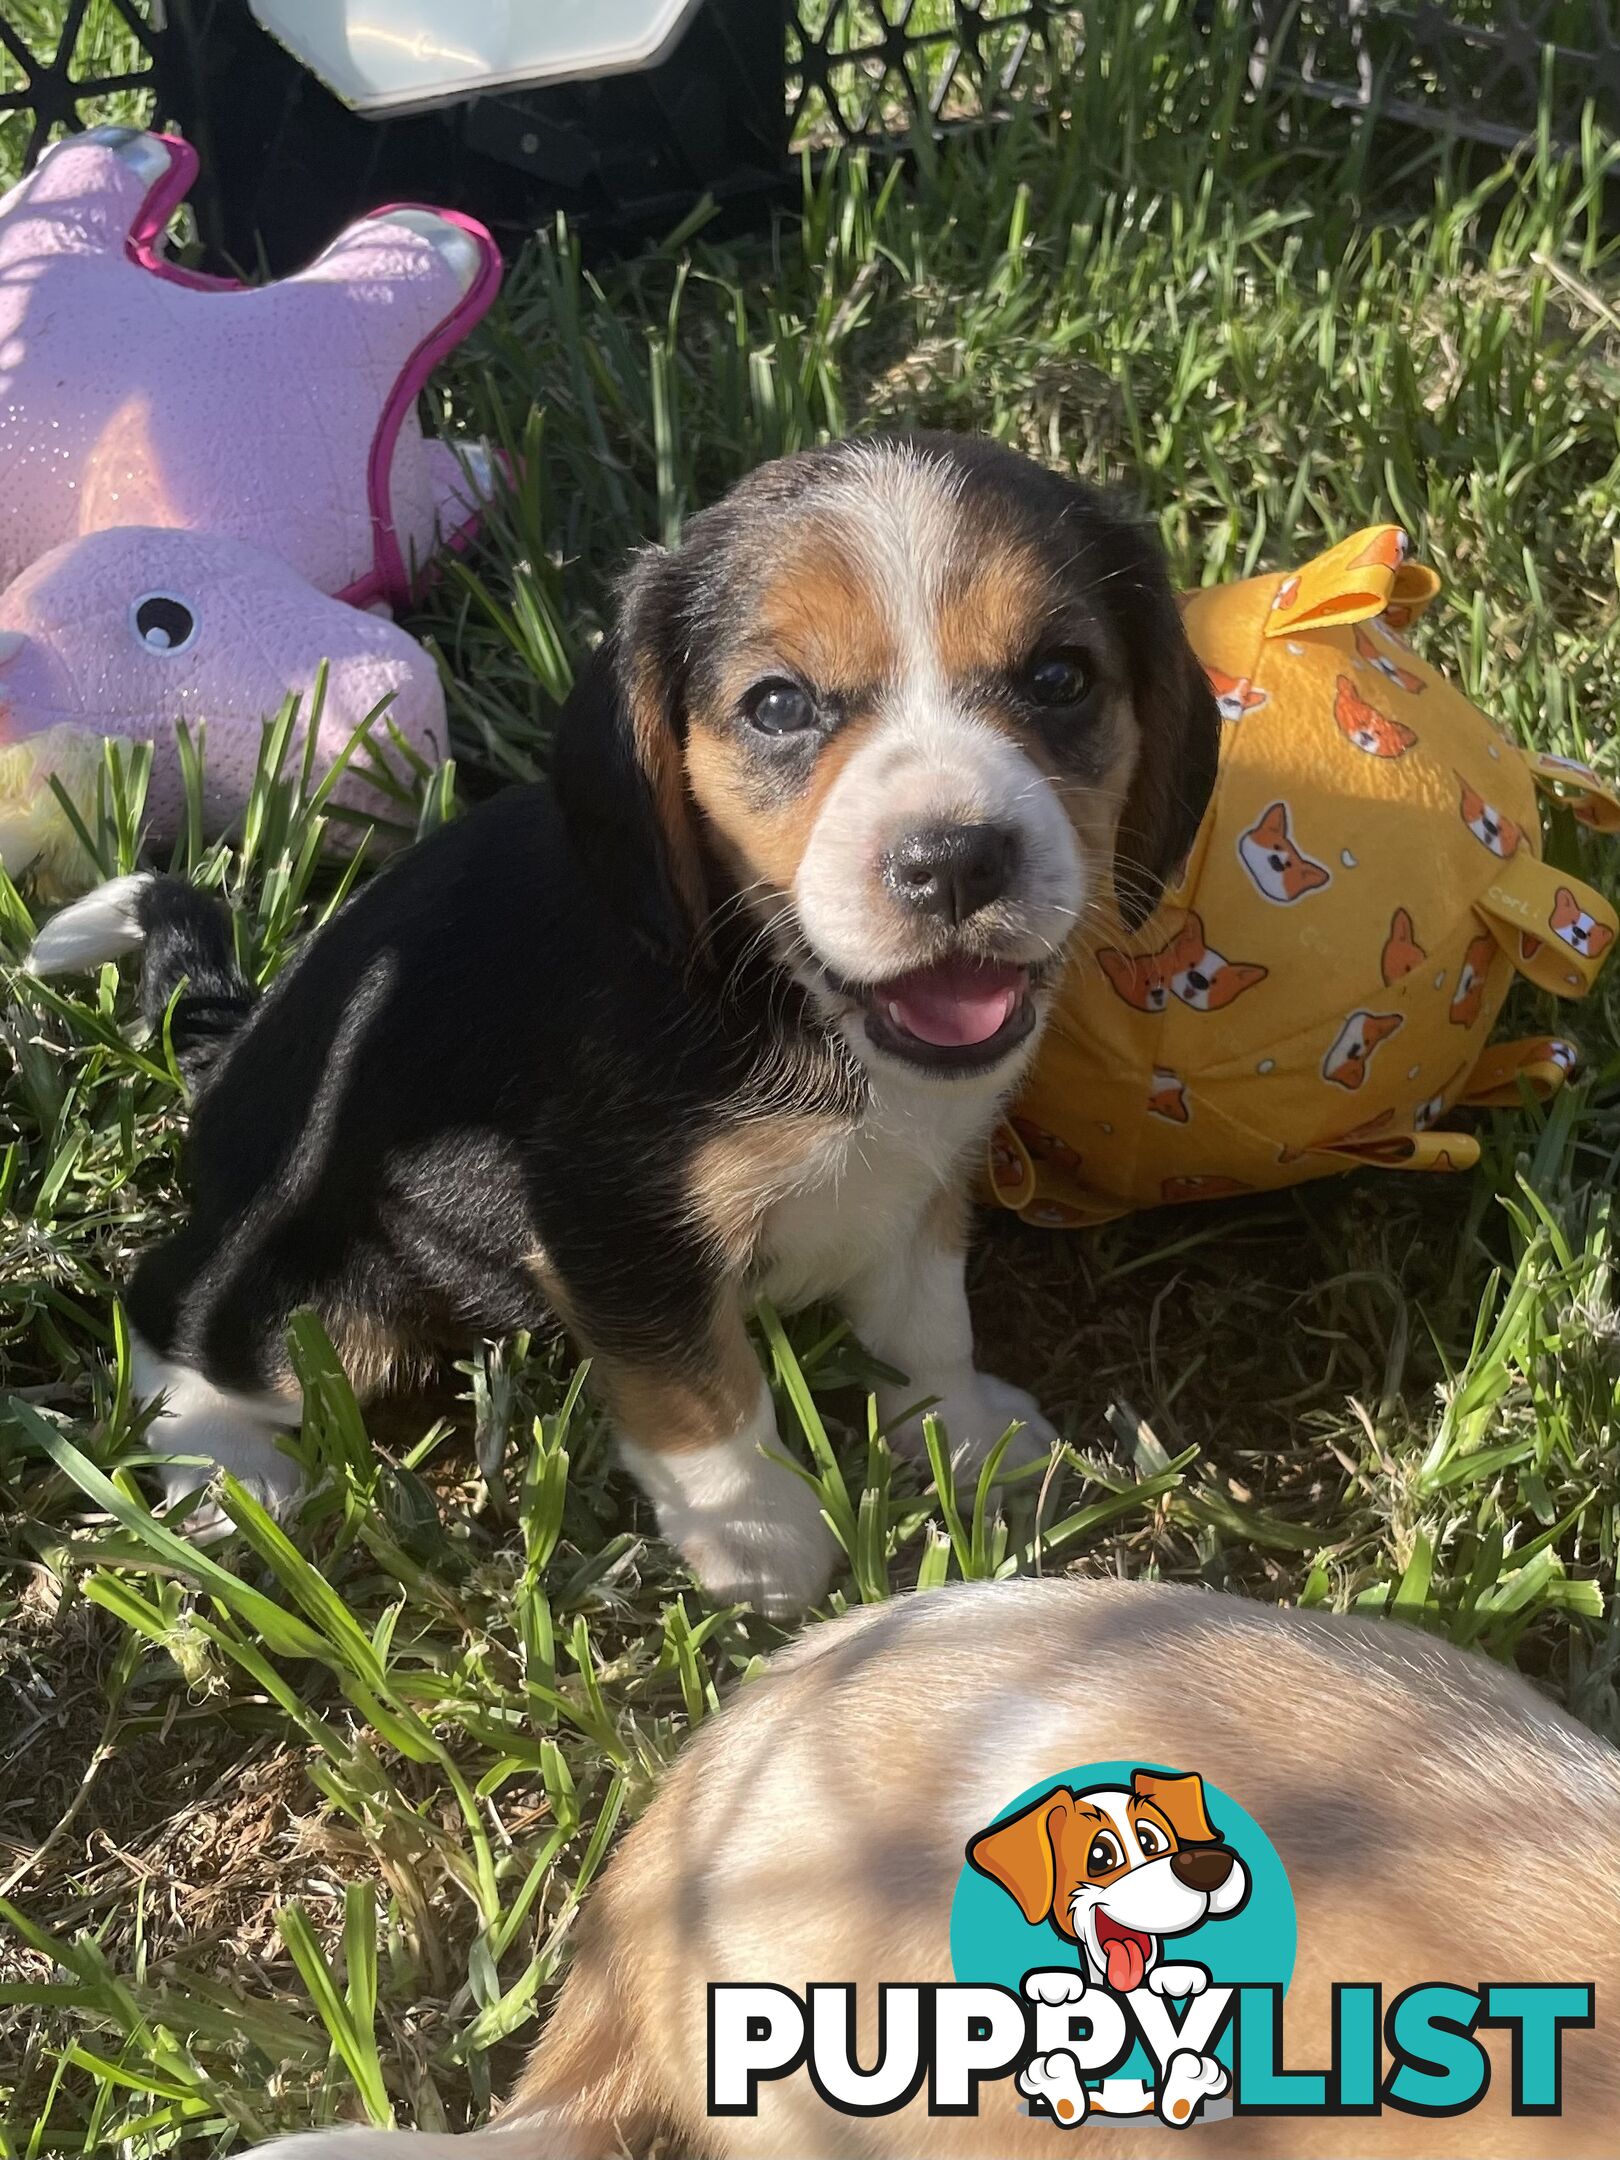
point(991, 608)
point(822, 618)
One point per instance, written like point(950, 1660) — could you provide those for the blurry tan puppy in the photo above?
point(1437, 1818)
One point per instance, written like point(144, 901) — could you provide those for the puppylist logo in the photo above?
point(1122, 1939)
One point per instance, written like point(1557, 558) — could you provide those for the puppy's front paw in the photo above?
point(1055, 1984)
point(1178, 1980)
point(750, 1531)
point(219, 1427)
point(1055, 2078)
point(1189, 2081)
point(974, 1415)
point(258, 1465)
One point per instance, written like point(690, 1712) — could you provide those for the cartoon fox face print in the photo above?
point(1268, 853)
point(1352, 1048)
point(1203, 979)
point(1186, 968)
point(1468, 999)
point(1167, 1097)
point(1582, 932)
point(1490, 827)
point(1235, 695)
point(1376, 655)
point(1367, 728)
point(1045, 1147)
point(1139, 978)
point(1402, 952)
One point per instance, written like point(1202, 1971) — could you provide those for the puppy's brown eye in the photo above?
point(779, 708)
point(1104, 1854)
point(1058, 678)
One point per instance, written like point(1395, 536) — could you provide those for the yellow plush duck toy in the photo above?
point(1317, 989)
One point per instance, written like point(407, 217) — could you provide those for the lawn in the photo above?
point(298, 1829)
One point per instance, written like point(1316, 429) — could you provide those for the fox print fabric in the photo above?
point(1318, 989)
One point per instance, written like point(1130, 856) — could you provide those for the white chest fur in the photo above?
point(863, 1193)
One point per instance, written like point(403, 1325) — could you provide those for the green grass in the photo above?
point(299, 1828)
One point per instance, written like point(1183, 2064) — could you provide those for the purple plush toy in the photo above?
point(205, 484)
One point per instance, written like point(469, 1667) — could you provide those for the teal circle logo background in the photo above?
point(991, 1941)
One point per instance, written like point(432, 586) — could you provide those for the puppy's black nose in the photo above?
point(1201, 1867)
point(950, 870)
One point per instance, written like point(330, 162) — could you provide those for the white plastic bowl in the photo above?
point(387, 55)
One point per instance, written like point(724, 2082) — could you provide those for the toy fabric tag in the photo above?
point(1540, 1062)
point(1440, 1153)
point(1579, 789)
point(1369, 574)
point(1555, 929)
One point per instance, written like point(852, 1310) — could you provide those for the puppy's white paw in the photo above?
point(1178, 1980)
point(1055, 2078)
point(271, 1477)
point(974, 1415)
point(750, 1531)
point(224, 1429)
point(1188, 2082)
point(1055, 1984)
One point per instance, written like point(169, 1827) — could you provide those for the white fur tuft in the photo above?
point(101, 926)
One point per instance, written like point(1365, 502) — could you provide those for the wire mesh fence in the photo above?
point(873, 70)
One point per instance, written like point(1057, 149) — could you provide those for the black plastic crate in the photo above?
point(284, 162)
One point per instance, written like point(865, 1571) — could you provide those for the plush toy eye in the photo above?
point(1059, 677)
point(163, 624)
point(779, 707)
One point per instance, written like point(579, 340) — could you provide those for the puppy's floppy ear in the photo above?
point(1021, 1854)
point(618, 763)
point(1180, 1800)
point(1179, 729)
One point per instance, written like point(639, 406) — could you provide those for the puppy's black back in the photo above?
point(477, 1074)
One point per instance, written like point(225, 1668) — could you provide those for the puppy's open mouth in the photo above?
point(960, 1015)
point(1125, 1952)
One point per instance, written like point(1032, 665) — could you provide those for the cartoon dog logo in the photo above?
point(1468, 999)
point(1117, 1871)
point(1365, 727)
point(1490, 827)
point(1402, 952)
point(1368, 649)
point(1185, 967)
point(1582, 932)
point(1352, 1048)
point(1268, 853)
point(1235, 695)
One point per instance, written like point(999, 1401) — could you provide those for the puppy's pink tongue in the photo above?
point(1126, 1964)
point(954, 1004)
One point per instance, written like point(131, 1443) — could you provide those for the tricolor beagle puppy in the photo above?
point(1436, 1817)
point(725, 1008)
